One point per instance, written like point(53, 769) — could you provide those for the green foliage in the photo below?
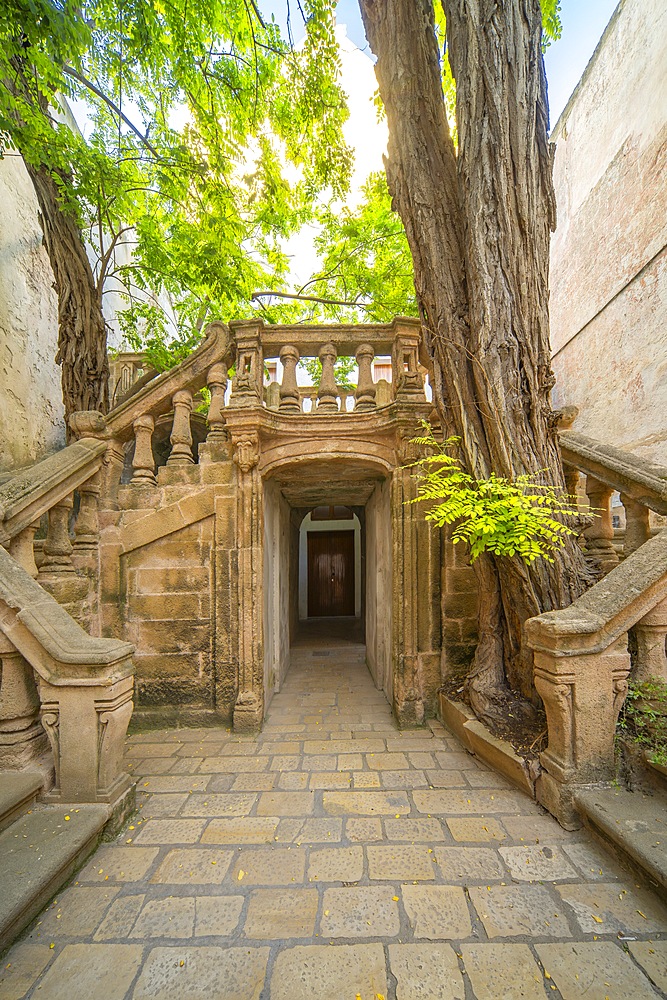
point(520, 518)
point(643, 718)
point(194, 108)
point(343, 368)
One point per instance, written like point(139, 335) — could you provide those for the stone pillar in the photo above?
point(327, 396)
point(22, 549)
point(248, 381)
point(651, 634)
point(249, 707)
point(181, 432)
point(217, 383)
point(87, 524)
point(22, 740)
point(407, 379)
point(637, 530)
point(273, 396)
point(58, 547)
point(112, 469)
point(364, 394)
point(143, 462)
point(600, 533)
point(290, 400)
point(582, 694)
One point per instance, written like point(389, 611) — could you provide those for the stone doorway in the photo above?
point(331, 591)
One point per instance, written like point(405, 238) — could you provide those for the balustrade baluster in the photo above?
point(365, 392)
point(651, 634)
point(600, 533)
point(217, 383)
point(181, 433)
point(290, 398)
point(87, 524)
point(637, 529)
point(58, 547)
point(327, 395)
point(143, 462)
point(571, 481)
point(22, 549)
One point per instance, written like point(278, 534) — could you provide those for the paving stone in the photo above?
point(344, 746)
point(366, 803)
point(366, 779)
point(476, 829)
point(342, 972)
point(91, 970)
point(241, 830)
point(511, 910)
point(503, 972)
point(387, 761)
point(401, 861)
point(167, 804)
point(278, 866)
point(437, 912)
point(288, 830)
point(233, 765)
point(151, 750)
point(285, 763)
point(652, 956)
point(219, 804)
point(412, 744)
point(293, 781)
point(594, 970)
point(187, 765)
point(426, 972)
point(421, 760)
point(120, 918)
point(423, 828)
point(350, 762)
point(166, 918)
point(360, 911)
point(320, 831)
point(76, 912)
point(193, 866)
point(254, 782)
point(536, 830)
point(470, 864)
point(487, 779)
point(279, 914)
point(20, 968)
point(363, 830)
point(465, 803)
point(404, 779)
point(537, 864)
point(446, 779)
point(594, 863)
point(285, 804)
point(119, 864)
point(200, 973)
point(631, 911)
point(174, 783)
point(152, 765)
point(321, 762)
point(280, 747)
point(330, 779)
point(336, 864)
point(171, 831)
point(217, 916)
point(220, 782)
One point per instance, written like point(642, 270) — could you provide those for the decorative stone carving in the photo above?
point(88, 423)
point(143, 462)
point(327, 395)
point(365, 392)
point(58, 547)
point(181, 432)
point(246, 453)
point(247, 383)
point(600, 533)
point(290, 399)
point(637, 530)
point(408, 381)
point(217, 383)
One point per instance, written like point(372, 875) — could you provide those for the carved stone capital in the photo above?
point(246, 452)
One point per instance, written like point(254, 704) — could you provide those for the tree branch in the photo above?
point(309, 298)
point(70, 71)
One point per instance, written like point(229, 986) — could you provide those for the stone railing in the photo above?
point(581, 655)
point(58, 680)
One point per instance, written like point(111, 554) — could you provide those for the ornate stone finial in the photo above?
point(143, 462)
point(365, 392)
point(327, 396)
point(290, 401)
point(88, 423)
point(181, 433)
point(565, 417)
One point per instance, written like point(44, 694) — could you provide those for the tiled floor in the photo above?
point(335, 857)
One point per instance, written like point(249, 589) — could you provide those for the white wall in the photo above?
point(379, 587)
point(608, 254)
point(31, 409)
point(307, 525)
point(276, 589)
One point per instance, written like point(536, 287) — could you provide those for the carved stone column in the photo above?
point(22, 739)
point(143, 462)
point(600, 533)
point(22, 549)
point(58, 547)
point(87, 524)
point(364, 394)
point(327, 396)
point(181, 432)
point(637, 530)
point(249, 707)
point(290, 400)
point(651, 634)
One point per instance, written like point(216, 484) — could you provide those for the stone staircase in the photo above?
point(41, 846)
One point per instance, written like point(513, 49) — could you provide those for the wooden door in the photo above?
point(330, 573)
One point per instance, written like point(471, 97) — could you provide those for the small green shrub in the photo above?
point(643, 718)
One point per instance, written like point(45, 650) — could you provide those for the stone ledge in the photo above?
point(18, 793)
point(38, 854)
point(632, 824)
point(497, 753)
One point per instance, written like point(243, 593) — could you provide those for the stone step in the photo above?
point(633, 825)
point(38, 854)
point(18, 793)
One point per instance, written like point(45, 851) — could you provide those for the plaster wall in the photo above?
point(379, 587)
point(31, 409)
point(608, 254)
point(276, 589)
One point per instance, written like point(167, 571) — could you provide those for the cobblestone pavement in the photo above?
point(335, 857)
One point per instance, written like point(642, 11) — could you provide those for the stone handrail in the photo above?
point(582, 665)
point(35, 491)
point(85, 691)
point(643, 481)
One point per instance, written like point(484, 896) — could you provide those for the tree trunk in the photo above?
point(478, 227)
point(82, 331)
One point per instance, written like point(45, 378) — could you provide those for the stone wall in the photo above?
point(31, 410)
point(379, 587)
point(609, 256)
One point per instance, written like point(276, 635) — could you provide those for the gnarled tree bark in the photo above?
point(478, 224)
